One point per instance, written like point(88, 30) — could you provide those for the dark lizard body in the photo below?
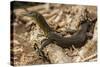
point(78, 39)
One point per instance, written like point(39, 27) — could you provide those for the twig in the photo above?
point(90, 57)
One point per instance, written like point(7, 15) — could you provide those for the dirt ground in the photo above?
point(27, 35)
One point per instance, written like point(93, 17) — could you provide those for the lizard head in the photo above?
point(35, 16)
point(40, 20)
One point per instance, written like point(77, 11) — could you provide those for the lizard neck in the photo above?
point(40, 20)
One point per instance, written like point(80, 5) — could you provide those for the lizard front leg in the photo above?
point(44, 43)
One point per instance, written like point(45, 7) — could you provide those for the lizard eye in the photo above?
point(32, 14)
